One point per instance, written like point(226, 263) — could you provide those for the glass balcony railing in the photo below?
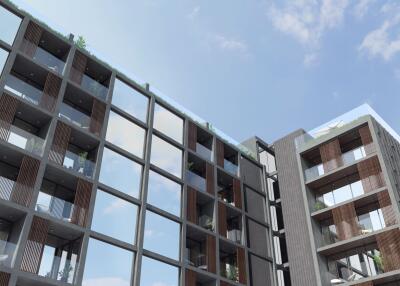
point(57, 268)
point(6, 188)
point(92, 86)
point(196, 181)
point(198, 260)
point(230, 167)
point(226, 195)
point(204, 152)
point(347, 158)
point(74, 116)
point(7, 250)
point(230, 271)
point(55, 207)
point(79, 163)
point(234, 235)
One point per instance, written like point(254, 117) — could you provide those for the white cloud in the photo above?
point(106, 281)
point(230, 44)
point(194, 13)
point(116, 205)
point(361, 8)
point(310, 59)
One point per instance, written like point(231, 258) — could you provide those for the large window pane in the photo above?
point(9, 24)
point(168, 123)
point(120, 173)
point(125, 134)
point(161, 235)
point(164, 193)
point(114, 217)
point(107, 265)
point(167, 275)
point(3, 59)
point(130, 100)
point(166, 156)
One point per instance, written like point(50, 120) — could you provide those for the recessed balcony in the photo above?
point(200, 209)
point(232, 264)
point(200, 250)
point(200, 142)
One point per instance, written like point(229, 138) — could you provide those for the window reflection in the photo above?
point(130, 100)
point(168, 123)
point(166, 274)
point(107, 265)
point(3, 59)
point(125, 134)
point(9, 24)
point(166, 156)
point(161, 235)
point(164, 193)
point(120, 173)
point(108, 211)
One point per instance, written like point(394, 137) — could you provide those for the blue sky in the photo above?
point(250, 67)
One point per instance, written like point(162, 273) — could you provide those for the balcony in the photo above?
point(55, 207)
point(204, 152)
point(201, 210)
point(200, 141)
point(230, 225)
point(196, 181)
point(231, 167)
point(79, 162)
point(74, 116)
point(200, 250)
point(92, 86)
point(229, 190)
point(231, 262)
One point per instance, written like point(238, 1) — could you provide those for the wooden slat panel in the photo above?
point(81, 203)
point(35, 245)
point(211, 254)
point(237, 193)
point(220, 153)
point(210, 179)
point(389, 246)
point(192, 136)
point(50, 92)
point(60, 143)
point(222, 223)
point(8, 107)
point(4, 278)
point(370, 283)
point(191, 211)
point(190, 278)
point(97, 117)
point(345, 220)
point(366, 140)
point(23, 188)
point(371, 174)
point(78, 67)
point(385, 204)
point(331, 155)
point(241, 261)
point(31, 39)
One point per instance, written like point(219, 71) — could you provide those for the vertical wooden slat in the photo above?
point(78, 67)
point(23, 188)
point(8, 107)
point(220, 153)
point(60, 143)
point(371, 174)
point(211, 253)
point(385, 204)
point(389, 247)
point(50, 92)
point(222, 223)
point(345, 220)
point(366, 139)
point(31, 39)
point(97, 117)
point(210, 179)
point(237, 193)
point(241, 261)
point(190, 278)
point(35, 245)
point(191, 211)
point(81, 203)
point(331, 155)
point(192, 136)
point(4, 278)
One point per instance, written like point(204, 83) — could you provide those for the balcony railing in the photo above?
point(55, 207)
point(74, 116)
point(226, 195)
point(7, 250)
point(204, 152)
point(235, 235)
point(230, 167)
point(196, 180)
point(58, 268)
point(348, 158)
point(79, 163)
point(230, 271)
point(206, 222)
point(45, 58)
point(6, 188)
point(92, 86)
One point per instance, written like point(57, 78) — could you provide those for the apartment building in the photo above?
point(104, 181)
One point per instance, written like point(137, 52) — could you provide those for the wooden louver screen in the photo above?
point(31, 39)
point(370, 283)
point(220, 153)
point(222, 223)
point(331, 155)
point(241, 258)
point(81, 203)
point(371, 174)
point(211, 253)
point(50, 92)
point(23, 188)
point(237, 193)
point(8, 107)
point(191, 211)
point(389, 247)
point(4, 278)
point(366, 140)
point(385, 204)
point(35, 245)
point(78, 67)
point(345, 220)
point(97, 117)
point(192, 136)
point(190, 278)
point(60, 143)
point(210, 178)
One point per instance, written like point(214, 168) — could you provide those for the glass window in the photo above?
point(166, 274)
point(9, 24)
point(120, 173)
point(107, 265)
point(125, 134)
point(3, 59)
point(357, 189)
point(161, 235)
point(342, 194)
point(108, 211)
point(164, 193)
point(328, 199)
point(130, 100)
point(168, 123)
point(166, 156)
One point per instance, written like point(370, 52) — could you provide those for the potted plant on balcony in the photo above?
point(65, 273)
point(319, 205)
point(232, 273)
point(208, 224)
point(82, 160)
point(378, 259)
